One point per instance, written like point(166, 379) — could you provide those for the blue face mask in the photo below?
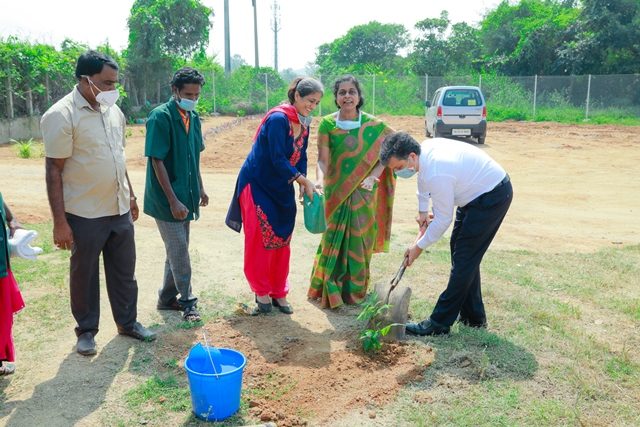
point(187, 104)
point(406, 172)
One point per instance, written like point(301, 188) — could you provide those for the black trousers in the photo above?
point(113, 237)
point(475, 226)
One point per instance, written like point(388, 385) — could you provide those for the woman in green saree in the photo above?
point(358, 198)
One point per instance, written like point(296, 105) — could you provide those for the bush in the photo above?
point(26, 149)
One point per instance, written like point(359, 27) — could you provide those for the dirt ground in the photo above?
point(576, 189)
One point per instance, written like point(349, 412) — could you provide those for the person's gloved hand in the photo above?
point(19, 244)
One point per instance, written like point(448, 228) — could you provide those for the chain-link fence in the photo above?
point(522, 97)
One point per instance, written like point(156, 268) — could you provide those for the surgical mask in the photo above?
point(406, 172)
point(305, 120)
point(106, 98)
point(187, 104)
point(348, 124)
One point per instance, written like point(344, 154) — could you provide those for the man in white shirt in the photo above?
point(452, 174)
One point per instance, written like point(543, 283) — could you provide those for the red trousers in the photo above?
point(10, 302)
point(265, 269)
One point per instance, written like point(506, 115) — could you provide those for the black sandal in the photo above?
point(190, 314)
point(261, 308)
point(286, 309)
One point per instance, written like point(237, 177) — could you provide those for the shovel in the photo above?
point(398, 298)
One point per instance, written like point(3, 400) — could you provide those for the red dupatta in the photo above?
point(288, 110)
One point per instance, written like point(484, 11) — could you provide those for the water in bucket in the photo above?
point(215, 388)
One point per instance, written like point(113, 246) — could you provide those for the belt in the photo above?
point(503, 182)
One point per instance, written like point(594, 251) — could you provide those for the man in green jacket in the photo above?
point(174, 190)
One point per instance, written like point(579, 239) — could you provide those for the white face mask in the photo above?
point(106, 98)
point(348, 124)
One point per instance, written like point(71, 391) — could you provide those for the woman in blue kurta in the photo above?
point(264, 199)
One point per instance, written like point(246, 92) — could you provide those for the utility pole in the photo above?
point(227, 43)
point(255, 31)
point(275, 27)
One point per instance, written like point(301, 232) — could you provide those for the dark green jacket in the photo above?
point(168, 141)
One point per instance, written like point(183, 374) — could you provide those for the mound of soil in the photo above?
point(294, 374)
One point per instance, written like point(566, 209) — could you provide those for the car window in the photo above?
point(434, 101)
point(462, 98)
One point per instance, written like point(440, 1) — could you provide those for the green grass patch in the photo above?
point(166, 391)
point(563, 114)
point(621, 368)
point(551, 354)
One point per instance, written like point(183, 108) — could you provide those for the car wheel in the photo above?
point(426, 129)
point(481, 139)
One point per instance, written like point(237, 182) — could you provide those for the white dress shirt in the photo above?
point(452, 173)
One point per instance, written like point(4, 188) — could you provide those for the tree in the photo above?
point(464, 49)
point(160, 33)
point(364, 46)
point(523, 39)
point(605, 39)
point(33, 76)
point(237, 61)
point(430, 55)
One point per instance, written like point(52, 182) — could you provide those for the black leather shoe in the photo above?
point(86, 345)
point(286, 309)
point(473, 324)
point(426, 327)
point(138, 332)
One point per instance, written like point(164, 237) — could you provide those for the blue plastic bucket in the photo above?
point(215, 397)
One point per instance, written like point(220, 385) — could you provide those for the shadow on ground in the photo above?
point(78, 389)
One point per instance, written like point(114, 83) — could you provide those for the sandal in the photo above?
point(7, 369)
point(190, 314)
point(261, 308)
point(286, 309)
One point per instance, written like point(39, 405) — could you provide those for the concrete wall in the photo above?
point(20, 129)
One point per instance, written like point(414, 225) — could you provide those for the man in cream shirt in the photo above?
point(453, 175)
point(91, 199)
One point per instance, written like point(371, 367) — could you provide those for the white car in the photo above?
point(457, 111)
